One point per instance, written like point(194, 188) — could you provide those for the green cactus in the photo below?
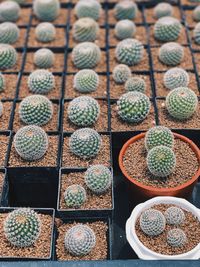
point(22, 227)
point(176, 77)
point(135, 84)
point(196, 14)
point(196, 33)
point(152, 222)
point(174, 215)
point(20, 2)
point(176, 238)
point(31, 142)
point(121, 73)
point(2, 82)
point(44, 58)
point(86, 81)
point(163, 10)
point(126, 9)
point(46, 10)
point(80, 239)
point(85, 143)
point(125, 29)
point(89, 8)
point(171, 54)
point(9, 11)
point(181, 103)
point(1, 109)
point(129, 52)
point(8, 56)
point(45, 32)
point(85, 30)
point(9, 33)
point(133, 107)
point(75, 196)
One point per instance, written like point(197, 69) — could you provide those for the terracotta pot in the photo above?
point(145, 191)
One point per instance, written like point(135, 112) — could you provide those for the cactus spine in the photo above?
point(44, 58)
point(86, 81)
point(46, 10)
point(85, 30)
point(9, 33)
point(75, 196)
point(171, 54)
point(125, 29)
point(121, 73)
point(176, 77)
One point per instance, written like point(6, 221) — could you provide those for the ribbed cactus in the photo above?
point(8, 56)
point(9, 11)
point(9, 33)
point(152, 222)
point(1, 109)
point(159, 135)
point(133, 107)
point(31, 142)
point(75, 196)
point(176, 77)
point(86, 81)
point(129, 52)
point(41, 81)
point(83, 111)
point(176, 238)
point(125, 9)
point(86, 55)
point(46, 10)
point(121, 73)
point(89, 8)
point(85, 143)
point(85, 30)
point(196, 13)
point(2, 82)
point(196, 33)
point(36, 110)
point(163, 10)
point(125, 29)
point(174, 215)
point(181, 103)
point(171, 54)
point(161, 161)
point(80, 240)
point(135, 84)
point(44, 58)
point(98, 178)
point(45, 32)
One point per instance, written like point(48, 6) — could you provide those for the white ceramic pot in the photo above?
point(144, 252)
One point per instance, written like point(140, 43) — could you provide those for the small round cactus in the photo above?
point(161, 161)
point(159, 135)
point(129, 51)
point(8, 56)
point(176, 77)
point(85, 143)
point(86, 55)
point(36, 110)
point(2, 82)
point(196, 13)
point(9, 11)
point(135, 84)
point(89, 8)
point(75, 196)
point(152, 222)
point(196, 33)
point(125, 9)
point(1, 109)
point(46, 10)
point(45, 32)
point(9, 33)
point(86, 81)
point(125, 29)
point(80, 239)
point(98, 178)
point(121, 73)
point(181, 103)
point(44, 58)
point(85, 30)
point(174, 216)
point(163, 10)
point(83, 111)
point(41, 81)
point(171, 54)
point(22, 227)
point(31, 142)
point(176, 238)
point(133, 107)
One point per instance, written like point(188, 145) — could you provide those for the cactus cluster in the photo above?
point(46, 10)
point(45, 32)
point(86, 81)
point(121, 73)
point(125, 29)
point(44, 58)
point(163, 10)
point(9, 11)
point(85, 30)
point(174, 216)
point(1, 109)
point(176, 238)
point(135, 84)
point(89, 8)
point(8, 56)
point(2, 82)
point(171, 54)
point(125, 9)
point(176, 77)
point(9, 33)
point(196, 13)
point(196, 33)
point(75, 196)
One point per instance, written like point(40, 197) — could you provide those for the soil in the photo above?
point(2, 176)
point(4, 141)
point(188, 3)
point(5, 118)
point(24, 17)
point(101, 21)
point(194, 45)
point(189, 18)
point(112, 20)
point(22, 38)
point(197, 60)
point(17, 67)
point(11, 86)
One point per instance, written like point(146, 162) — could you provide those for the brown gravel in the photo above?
point(5, 118)
point(4, 140)
point(197, 60)
point(17, 67)
point(60, 20)
point(191, 227)
point(2, 176)
point(10, 89)
point(112, 20)
point(24, 17)
point(189, 18)
point(188, 3)
point(101, 21)
point(194, 45)
point(186, 165)
point(99, 252)
point(21, 40)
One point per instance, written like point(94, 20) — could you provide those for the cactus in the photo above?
point(121, 73)
point(125, 29)
point(44, 58)
point(163, 10)
point(196, 33)
point(176, 77)
point(181, 103)
point(75, 196)
point(196, 14)
point(41, 81)
point(1, 109)
point(133, 107)
point(8, 56)
point(31, 142)
point(174, 216)
point(45, 32)
point(159, 135)
point(2, 82)
point(85, 143)
point(20, 2)
point(176, 238)
point(129, 52)
point(83, 111)
point(89, 8)
point(125, 9)
point(98, 178)
point(86, 81)
point(9, 33)
point(46, 10)
point(80, 239)
point(86, 55)
point(22, 227)
point(36, 110)
point(171, 54)
point(9, 11)
point(135, 84)
point(152, 222)
point(85, 30)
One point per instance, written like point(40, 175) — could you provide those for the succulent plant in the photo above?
point(22, 227)
point(80, 239)
point(86, 55)
point(181, 103)
point(196, 33)
point(75, 196)
point(36, 110)
point(174, 215)
point(133, 107)
point(44, 58)
point(89, 8)
point(176, 238)
point(1, 109)
point(176, 77)
point(41, 81)
point(121, 73)
point(86, 81)
point(98, 178)
point(46, 10)
point(152, 222)
point(125, 29)
point(85, 30)
point(126, 9)
point(45, 32)
point(9, 11)
point(135, 84)
point(85, 143)
point(163, 10)
point(31, 142)
point(20, 2)
point(8, 56)
point(196, 13)
point(9, 33)
point(2, 82)
point(129, 51)
point(171, 54)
